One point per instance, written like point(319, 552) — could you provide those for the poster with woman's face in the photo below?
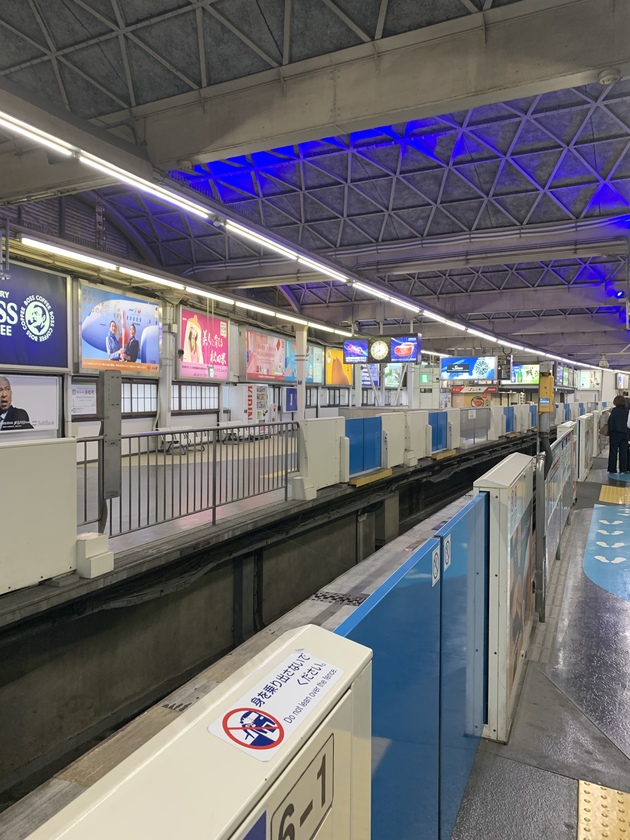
point(204, 345)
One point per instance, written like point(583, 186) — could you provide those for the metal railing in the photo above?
point(168, 474)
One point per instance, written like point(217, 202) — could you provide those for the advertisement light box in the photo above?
point(525, 374)
point(355, 351)
point(469, 367)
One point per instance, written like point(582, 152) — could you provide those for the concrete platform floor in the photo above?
point(573, 718)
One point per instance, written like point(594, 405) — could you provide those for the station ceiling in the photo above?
point(512, 214)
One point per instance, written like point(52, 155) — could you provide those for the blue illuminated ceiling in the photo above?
point(558, 157)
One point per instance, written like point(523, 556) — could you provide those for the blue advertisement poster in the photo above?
point(370, 375)
point(314, 359)
point(405, 348)
point(119, 332)
point(33, 319)
point(469, 367)
point(355, 351)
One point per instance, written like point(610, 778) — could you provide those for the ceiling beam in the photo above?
point(503, 53)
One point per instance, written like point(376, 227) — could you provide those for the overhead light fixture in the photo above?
point(145, 186)
point(433, 317)
point(370, 291)
point(202, 293)
point(66, 252)
point(411, 306)
point(254, 308)
point(322, 327)
point(282, 317)
point(344, 333)
point(259, 239)
point(150, 278)
point(481, 335)
point(456, 325)
point(323, 269)
point(31, 133)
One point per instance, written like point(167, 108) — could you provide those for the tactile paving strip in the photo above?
point(616, 495)
point(603, 813)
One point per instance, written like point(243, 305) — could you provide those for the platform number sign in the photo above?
point(304, 808)
point(435, 566)
point(447, 551)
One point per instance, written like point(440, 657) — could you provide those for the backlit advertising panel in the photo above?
point(393, 374)
point(33, 318)
point(370, 375)
point(204, 342)
point(468, 367)
point(559, 373)
point(355, 351)
point(265, 356)
point(591, 380)
point(405, 348)
point(314, 365)
point(28, 403)
point(525, 374)
point(119, 331)
point(337, 373)
point(622, 381)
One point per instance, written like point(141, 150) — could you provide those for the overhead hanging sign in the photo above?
point(204, 342)
point(119, 332)
point(33, 318)
point(355, 351)
point(469, 367)
point(405, 348)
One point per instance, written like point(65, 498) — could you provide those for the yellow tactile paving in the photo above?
point(616, 495)
point(603, 813)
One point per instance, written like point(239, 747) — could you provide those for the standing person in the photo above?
point(618, 435)
point(112, 345)
point(133, 348)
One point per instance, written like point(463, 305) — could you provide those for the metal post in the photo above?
point(108, 406)
point(540, 575)
point(301, 351)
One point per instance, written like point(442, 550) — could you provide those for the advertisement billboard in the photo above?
point(314, 363)
point(28, 403)
point(393, 374)
point(265, 356)
point(559, 373)
point(33, 318)
point(370, 375)
point(591, 380)
point(622, 381)
point(525, 374)
point(204, 342)
point(355, 351)
point(119, 331)
point(337, 373)
point(405, 348)
point(469, 367)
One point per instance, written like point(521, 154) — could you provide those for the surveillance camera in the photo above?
point(603, 362)
point(180, 353)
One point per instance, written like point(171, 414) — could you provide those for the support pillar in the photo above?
point(301, 350)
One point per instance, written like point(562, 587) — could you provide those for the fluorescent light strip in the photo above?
point(145, 186)
point(13, 125)
point(282, 317)
point(376, 292)
point(433, 317)
point(254, 308)
point(323, 269)
point(65, 252)
point(193, 290)
point(239, 230)
point(321, 327)
point(344, 333)
point(405, 305)
point(151, 278)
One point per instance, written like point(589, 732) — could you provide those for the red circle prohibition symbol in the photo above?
point(252, 729)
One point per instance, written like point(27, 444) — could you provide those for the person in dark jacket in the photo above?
point(618, 436)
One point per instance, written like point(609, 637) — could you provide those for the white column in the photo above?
point(300, 358)
point(167, 364)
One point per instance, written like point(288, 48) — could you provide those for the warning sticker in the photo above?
point(271, 711)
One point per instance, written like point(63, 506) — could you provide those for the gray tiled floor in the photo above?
point(573, 719)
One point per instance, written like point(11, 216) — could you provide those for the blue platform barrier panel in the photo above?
point(438, 420)
point(509, 419)
point(463, 653)
point(365, 435)
point(427, 627)
point(401, 623)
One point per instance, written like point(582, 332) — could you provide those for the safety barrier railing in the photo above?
point(168, 474)
point(555, 496)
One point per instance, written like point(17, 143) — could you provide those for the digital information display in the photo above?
point(525, 374)
point(355, 351)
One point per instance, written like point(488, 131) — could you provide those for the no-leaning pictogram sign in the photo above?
point(435, 566)
point(252, 729)
point(261, 721)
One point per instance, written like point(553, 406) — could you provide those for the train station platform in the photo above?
point(564, 770)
